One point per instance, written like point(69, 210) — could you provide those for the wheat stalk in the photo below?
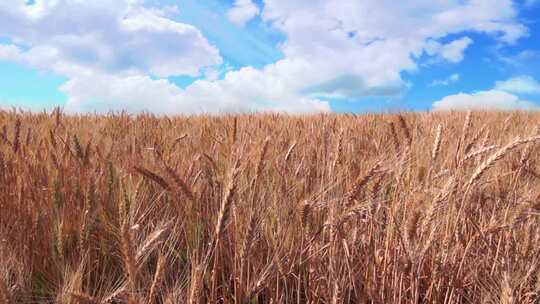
point(235, 130)
point(180, 183)
point(338, 150)
point(304, 213)
point(129, 258)
point(507, 293)
point(405, 128)
point(478, 152)
point(152, 176)
point(158, 277)
point(474, 139)
point(290, 151)
point(150, 242)
point(226, 204)
point(411, 228)
point(436, 205)
point(4, 136)
point(17, 136)
point(497, 156)
point(436, 144)
point(357, 187)
point(195, 286)
point(466, 126)
point(394, 137)
point(224, 211)
point(260, 161)
point(57, 116)
point(249, 236)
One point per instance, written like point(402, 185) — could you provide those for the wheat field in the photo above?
point(268, 208)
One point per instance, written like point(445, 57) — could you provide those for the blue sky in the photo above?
point(193, 56)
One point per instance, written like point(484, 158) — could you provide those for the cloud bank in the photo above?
point(519, 85)
point(504, 96)
point(119, 53)
point(484, 100)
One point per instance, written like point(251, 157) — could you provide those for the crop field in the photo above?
point(267, 208)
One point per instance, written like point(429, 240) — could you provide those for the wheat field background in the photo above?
point(386, 208)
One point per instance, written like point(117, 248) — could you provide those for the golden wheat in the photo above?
point(435, 207)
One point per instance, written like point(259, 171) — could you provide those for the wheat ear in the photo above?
point(180, 183)
point(290, 151)
point(497, 156)
point(224, 212)
point(226, 205)
point(405, 128)
point(507, 293)
point(128, 254)
point(393, 132)
point(357, 187)
point(152, 176)
point(466, 126)
point(80, 298)
point(436, 144)
point(150, 242)
point(260, 162)
point(17, 136)
point(478, 152)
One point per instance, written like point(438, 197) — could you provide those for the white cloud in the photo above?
point(103, 93)
point(242, 11)
point(520, 59)
point(351, 49)
point(484, 100)
point(212, 74)
point(118, 36)
point(360, 48)
point(447, 81)
point(519, 85)
point(9, 52)
point(452, 51)
point(504, 96)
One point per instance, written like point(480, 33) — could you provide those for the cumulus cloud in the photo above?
point(447, 81)
point(484, 100)
point(350, 49)
point(103, 93)
point(504, 96)
point(9, 52)
point(519, 85)
point(242, 11)
point(452, 51)
point(116, 53)
point(118, 36)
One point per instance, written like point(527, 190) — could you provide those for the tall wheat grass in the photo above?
point(409, 208)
